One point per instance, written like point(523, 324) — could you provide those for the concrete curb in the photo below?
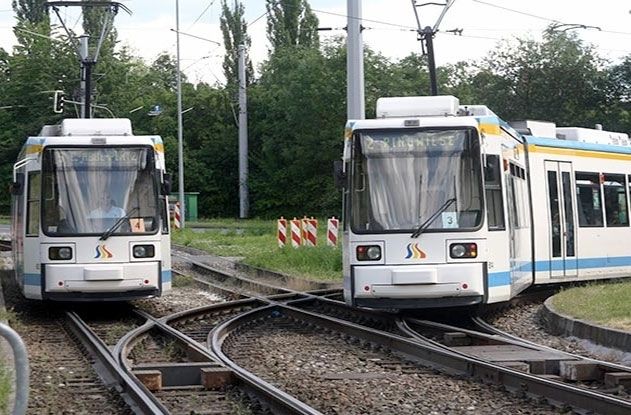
point(561, 324)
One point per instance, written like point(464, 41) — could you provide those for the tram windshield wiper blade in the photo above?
point(432, 218)
point(115, 226)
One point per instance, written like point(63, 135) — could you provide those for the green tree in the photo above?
point(297, 121)
point(618, 110)
point(234, 30)
point(291, 23)
point(95, 19)
point(36, 67)
point(559, 79)
point(33, 11)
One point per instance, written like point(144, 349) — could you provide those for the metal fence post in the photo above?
point(21, 368)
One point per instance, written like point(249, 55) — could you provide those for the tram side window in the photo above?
point(34, 191)
point(615, 200)
point(493, 189)
point(589, 204)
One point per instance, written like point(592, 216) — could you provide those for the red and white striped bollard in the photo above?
point(296, 232)
point(282, 232)
point(311, 234)
point(177, 220)
point(333, 226)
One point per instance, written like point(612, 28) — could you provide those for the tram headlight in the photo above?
point(60, 253)
point(144, 251)
point(464, 250)
point(368, 253)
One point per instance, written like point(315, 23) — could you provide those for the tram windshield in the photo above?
point(403, 178)
point(87, 190)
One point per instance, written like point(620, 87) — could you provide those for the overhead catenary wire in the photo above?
point(547, 19)
point(210, 4)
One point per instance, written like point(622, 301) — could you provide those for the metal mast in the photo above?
point(355, 62)
point(180, 143)
point(244, 202)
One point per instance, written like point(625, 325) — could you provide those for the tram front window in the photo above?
point(403, 178)
point(88, 190)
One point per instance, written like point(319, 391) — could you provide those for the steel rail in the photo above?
point(432, 356)
point(218, 289)
point(135, 394)
point(508, 339)
point(317, 293)
point(221, 332)
point(253, 283)
point(278, 400)
point(477, 320)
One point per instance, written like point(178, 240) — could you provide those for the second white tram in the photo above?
point(89, 214)
point(447, 205)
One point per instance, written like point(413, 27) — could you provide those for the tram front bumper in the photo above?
point(407, 282)
point(94, 278)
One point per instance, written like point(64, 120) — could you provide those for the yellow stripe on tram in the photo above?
point(34, 149)
point(491, 129)
point(578, 153)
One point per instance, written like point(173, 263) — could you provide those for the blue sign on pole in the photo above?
point(156, 110)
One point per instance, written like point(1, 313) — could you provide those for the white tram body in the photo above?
point(448, 205)
point(89, 213)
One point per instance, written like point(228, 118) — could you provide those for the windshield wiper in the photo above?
point(118, 223)
point(432, 218)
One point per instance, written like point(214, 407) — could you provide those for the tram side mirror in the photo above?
point(339, 177)
point(17, 187)
point(166, 184)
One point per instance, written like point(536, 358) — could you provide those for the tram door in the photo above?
point(561, 222)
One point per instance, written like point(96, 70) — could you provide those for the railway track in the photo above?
point(63, 373)
point(217, 358)
point(512, 374)
point(428, 353)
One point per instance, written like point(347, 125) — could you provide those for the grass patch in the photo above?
point(6, 386)
point(602, 303)
point(5, 220)
point(258, 247)
point(250, 224)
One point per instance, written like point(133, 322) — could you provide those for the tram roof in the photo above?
point(576, 145)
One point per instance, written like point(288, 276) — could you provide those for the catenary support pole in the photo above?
point(244, 202)
point(83, 52)
point(180, 143)
point(355, 62)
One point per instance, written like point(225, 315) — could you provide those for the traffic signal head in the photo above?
point(58, 104)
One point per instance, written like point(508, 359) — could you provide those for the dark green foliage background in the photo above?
point(296, 102)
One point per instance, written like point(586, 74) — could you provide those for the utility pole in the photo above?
point(355, 62)
point(85, 91)
point(244, 202)
point(426, 36)
point(180, 143)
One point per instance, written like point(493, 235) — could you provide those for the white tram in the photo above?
point(89, 214)
point(448, 205)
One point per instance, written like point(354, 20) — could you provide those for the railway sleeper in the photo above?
point(572, 370)
point(209, 375)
